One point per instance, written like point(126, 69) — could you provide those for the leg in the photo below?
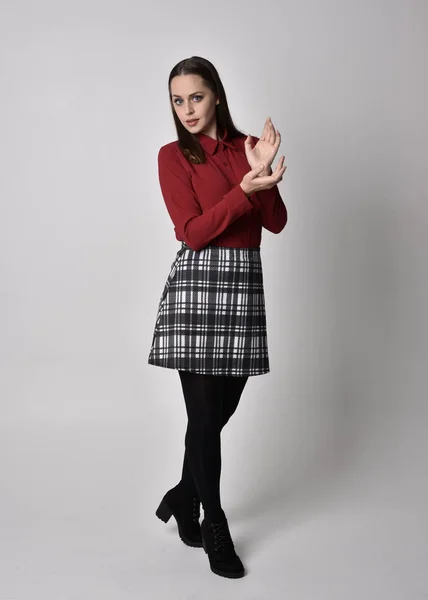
point(232, 391)
point(203, 396)
point(233, 388)
point(187, 478)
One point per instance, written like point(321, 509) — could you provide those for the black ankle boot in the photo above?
point(219, 546)
point(186, 509)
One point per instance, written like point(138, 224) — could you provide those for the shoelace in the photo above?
point(196, 509)
point(222, 539)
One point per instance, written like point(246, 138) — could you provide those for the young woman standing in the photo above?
point(219, 191)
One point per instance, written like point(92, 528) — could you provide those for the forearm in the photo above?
point(198, 228)
point(273, 211)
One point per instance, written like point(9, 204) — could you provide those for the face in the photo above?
point(191, 99)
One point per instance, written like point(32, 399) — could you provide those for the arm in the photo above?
point(195, 227)
point(273, 211)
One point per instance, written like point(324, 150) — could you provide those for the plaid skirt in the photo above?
point(211, 317)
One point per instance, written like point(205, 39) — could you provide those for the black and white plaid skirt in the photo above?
point(211, 317)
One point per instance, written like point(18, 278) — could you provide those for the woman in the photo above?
point(219, 191)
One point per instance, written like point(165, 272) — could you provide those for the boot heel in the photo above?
point(164, 512)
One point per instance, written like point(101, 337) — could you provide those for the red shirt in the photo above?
point(205, 201)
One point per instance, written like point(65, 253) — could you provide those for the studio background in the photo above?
point(91, 436)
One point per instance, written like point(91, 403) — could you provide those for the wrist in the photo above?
point(267, 171)
point(245, 190)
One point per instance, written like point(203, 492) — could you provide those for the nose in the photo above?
point(189, 109)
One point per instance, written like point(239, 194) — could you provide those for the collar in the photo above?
point(210, 145)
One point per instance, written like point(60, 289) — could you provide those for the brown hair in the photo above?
point(188, 142)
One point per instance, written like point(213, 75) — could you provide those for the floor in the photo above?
point(77, 525)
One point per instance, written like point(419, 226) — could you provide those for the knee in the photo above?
point(202, 432)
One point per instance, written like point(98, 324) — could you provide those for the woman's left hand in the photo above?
point(266, 148)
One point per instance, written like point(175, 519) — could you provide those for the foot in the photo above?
point(218, 544)
point(186, 509)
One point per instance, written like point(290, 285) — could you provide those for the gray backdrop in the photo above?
point(334, 504)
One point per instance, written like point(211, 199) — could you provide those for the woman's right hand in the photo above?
point(251, 182)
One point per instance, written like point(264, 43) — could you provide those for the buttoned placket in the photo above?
point(224, 161)
point(229, 174)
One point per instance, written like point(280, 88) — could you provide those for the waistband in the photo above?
point(220, 248)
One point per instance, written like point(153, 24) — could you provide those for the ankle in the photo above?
point(215, 516)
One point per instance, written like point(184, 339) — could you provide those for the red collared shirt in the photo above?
point(205, 201)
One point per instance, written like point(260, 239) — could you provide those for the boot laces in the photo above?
point(222, 539)
point(196, 509)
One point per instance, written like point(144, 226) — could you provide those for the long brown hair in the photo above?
point(188, 142)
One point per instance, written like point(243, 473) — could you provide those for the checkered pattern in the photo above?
point(211, 317)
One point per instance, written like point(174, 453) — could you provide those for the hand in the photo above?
point(266, 148)
point(253, 182)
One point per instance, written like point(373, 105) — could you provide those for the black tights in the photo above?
point(210, 402)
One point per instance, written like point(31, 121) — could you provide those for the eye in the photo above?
point(196, 96)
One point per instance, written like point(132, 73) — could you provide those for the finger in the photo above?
point(280, 168)
point(265, 130)
point(275, 134)
point(281, 172)
point(271, 137)
point(280, 163)
point(254, 173)
point(248, 142)
point(277, 140)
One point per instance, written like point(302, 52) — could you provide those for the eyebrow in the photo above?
point(177, 96)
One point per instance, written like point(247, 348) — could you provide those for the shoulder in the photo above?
point(172, 162)
point(170, 156)
point(169, 151)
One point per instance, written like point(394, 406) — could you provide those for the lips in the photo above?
point(192, 122)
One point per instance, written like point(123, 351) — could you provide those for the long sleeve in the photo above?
point(273, 211)
point(196, 227)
